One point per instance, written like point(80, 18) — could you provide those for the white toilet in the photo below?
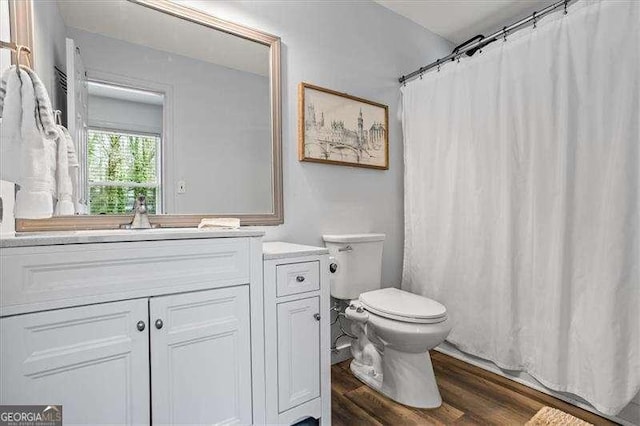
point(395, 328)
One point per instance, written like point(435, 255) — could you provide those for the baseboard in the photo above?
point(630, 416)
point(341, 353)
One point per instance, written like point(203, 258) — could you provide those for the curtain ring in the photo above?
point(438, 65)
point(535, 20)
point(504, 33)
point(566, 3)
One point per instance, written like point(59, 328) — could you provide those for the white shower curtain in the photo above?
point(522, 200)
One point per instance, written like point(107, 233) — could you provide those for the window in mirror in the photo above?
point(122, 166)
point(124, 148)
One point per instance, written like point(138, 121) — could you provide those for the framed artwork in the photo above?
point(336, 128)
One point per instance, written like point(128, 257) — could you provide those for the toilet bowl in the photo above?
point(395, 331)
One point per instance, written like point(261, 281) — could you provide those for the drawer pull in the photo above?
point(300, 278)
point(140, 325)
point(317, 317)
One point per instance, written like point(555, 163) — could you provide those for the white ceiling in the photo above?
point(459, 20)
point(123, 20)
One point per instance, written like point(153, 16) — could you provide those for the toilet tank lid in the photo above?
point(353, 238)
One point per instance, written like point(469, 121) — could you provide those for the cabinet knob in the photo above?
point(300, 278)
point(159, 323)
point(317, 317)
point(333, 268)
point(140, 325)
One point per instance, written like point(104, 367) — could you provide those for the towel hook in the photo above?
point(19, 49)
point(18, 52)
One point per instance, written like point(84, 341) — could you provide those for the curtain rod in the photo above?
point(490, 39)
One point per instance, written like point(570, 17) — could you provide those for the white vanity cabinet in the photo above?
point(201, 357)
point(175, 338)
point(298, 352)
point(297, 340)
point(92, 360)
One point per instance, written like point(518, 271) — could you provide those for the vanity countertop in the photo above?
point(29, 239)
point(281, 250)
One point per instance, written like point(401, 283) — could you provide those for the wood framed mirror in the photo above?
point(166, 101)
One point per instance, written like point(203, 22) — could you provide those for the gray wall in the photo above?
point(110, 113)
point(49, 48)
point(356, 47)
point(219, 139)
point(360, 48)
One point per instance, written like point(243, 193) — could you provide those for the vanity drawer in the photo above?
point(296, 278)
point(51, 277)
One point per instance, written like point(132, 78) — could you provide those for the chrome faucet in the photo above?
point(140, 215)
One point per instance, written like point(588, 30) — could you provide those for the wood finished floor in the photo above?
point(471, 396)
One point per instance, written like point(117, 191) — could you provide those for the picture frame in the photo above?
point(337, 128)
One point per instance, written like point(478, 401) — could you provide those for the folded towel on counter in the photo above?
point(220, 222)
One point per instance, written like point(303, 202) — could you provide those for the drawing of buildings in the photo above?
point(337, 141)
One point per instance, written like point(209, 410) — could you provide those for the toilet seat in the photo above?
point(403, 306)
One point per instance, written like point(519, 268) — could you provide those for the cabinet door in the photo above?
point(298, 352)
point(201, 357)
point(93, 360)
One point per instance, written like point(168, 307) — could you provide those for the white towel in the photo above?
point(219, 222)
point(66, 159)
point(25, 122)
point(64, 188)
point(10, 140)
point(74, 169)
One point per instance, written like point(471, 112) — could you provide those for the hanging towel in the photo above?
point(11, 115)
point(44, 111)
point(26, 121)
point(64, 188)
point(66, 159)
point(73, 168)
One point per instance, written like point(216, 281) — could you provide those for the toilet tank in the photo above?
point(359, 260)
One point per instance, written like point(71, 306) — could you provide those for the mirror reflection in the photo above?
point(182, 116)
